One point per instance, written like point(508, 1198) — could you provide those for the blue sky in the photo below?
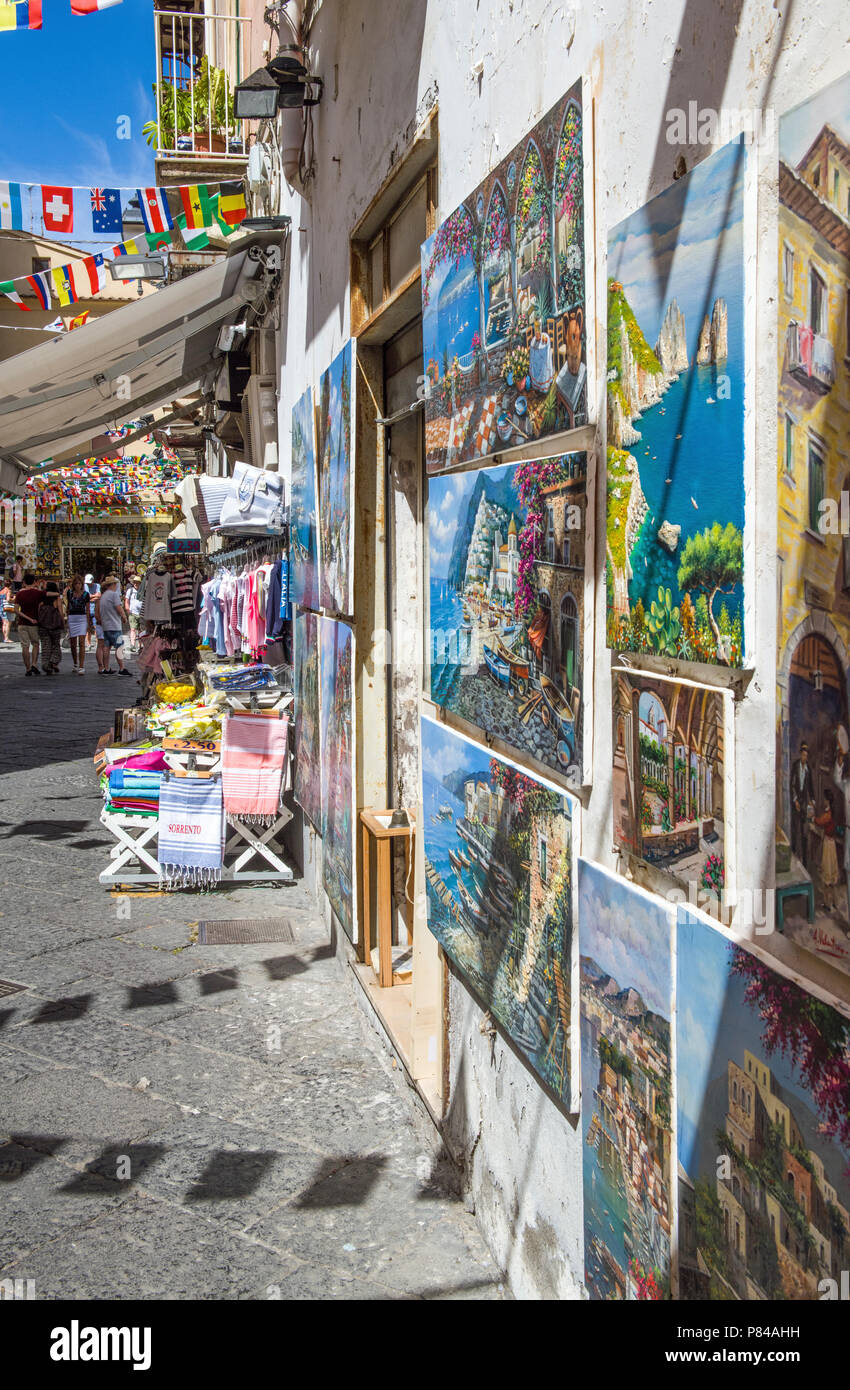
point(798, 128)
point(666, 250)
point(627, 933)
point(64, 88)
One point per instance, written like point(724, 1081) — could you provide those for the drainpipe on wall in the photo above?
point(292, 122)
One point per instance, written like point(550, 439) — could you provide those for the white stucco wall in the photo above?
point(521, 1155)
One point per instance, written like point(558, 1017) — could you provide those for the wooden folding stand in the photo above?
point(131, 847)
point(375, 825)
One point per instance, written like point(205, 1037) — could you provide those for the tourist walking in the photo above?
point(7, 608)
point(77, 601)
point(51, 625)
point(28, 600)
point(17, 574)
point(94, 590)
point(133, 608)
point(109, 612)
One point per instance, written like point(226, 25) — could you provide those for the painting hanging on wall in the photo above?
point(762, 1073)
point(669, 780)
point(506, 550)
point(626, 973)
point(336, 482)
point(308, 752)
point(499, 882)
point(813, 523)
point(503, 311)
point(303, 530)
point(675, 488)
point(336, 670)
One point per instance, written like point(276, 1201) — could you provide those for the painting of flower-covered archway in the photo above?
point(503, 313)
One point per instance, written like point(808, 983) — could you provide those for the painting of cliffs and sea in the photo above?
point(336, 483)
point(503, 313)
point(626, 971)
point(675, 498)
point(506, 550)
point(303, 532)
point(307, 787)
point(499, 881)
point(763, 1132)
point(337, 742)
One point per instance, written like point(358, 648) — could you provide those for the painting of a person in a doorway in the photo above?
point(802, 796)
point(830, 876)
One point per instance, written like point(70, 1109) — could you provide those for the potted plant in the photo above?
point(201, 112)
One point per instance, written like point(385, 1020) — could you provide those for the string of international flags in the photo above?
point(26, 14)
point(203, 210)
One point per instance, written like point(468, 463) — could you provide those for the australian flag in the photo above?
point(106, 211)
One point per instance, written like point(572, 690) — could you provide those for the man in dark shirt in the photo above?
point(28, 601)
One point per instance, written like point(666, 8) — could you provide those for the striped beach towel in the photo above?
point(253, 753)
point(190, 846)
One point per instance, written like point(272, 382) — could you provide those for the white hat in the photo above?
point(89, 578)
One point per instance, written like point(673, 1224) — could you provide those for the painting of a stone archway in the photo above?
point(669, 781)
point(503, 301)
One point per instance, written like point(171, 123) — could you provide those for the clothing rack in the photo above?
point(272, 546)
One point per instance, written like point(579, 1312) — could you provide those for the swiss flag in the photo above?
point(57, 207)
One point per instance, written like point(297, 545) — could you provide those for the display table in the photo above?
point(375, 826)
point(133, 858)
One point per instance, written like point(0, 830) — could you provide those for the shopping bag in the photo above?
point(255, 504)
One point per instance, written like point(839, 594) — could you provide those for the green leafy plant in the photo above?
point(713, 563)
point(662, 623)
point(206, 104)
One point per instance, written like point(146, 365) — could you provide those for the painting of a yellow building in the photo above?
point(814, 523)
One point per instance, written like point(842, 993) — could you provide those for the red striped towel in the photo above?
point(253, 753)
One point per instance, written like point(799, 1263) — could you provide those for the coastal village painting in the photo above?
point(308, 753)
point(506, 550)
point(675, 489)
point(303, 531)
point(813, 524)
point(669, 779)
point(499, 883)
point(503, 311)
point(336, 670)
point(626, 972)
point(763, 1101)
point(336, 483)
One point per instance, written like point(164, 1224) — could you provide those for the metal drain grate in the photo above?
point(245, 931)
point(9, 987)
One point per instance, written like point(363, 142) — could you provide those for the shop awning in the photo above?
point(65, 392)
point(537, 631)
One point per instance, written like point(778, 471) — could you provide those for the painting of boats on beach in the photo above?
point(499, 883)
point(675, 489)
point(626, 973)
point(763, 1132)
point(506, 550)
point(503, 312)
point(308, 767)
point(303, 531)
point(336, 483)
point(336, 669)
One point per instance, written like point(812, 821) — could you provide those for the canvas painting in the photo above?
point(626, 971)
point(506, 550)
point(669, 778)
point(336, 483)
point(763, 1102)
point(499, 882)
point(303, 530)
point(308, 752)
point(813, 528)
point(503, 312)
point(675, 491)
point(336, 670)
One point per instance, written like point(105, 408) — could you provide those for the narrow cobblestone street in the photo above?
point(155, 1141)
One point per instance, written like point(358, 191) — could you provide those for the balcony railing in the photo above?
point(199, 62)
point(811, 357)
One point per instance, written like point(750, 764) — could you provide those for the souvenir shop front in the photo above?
point(102, 544)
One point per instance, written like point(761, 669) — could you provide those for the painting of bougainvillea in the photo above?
point(499, 887)
point(763, 1097)
point(503, 316)
point(506, 549)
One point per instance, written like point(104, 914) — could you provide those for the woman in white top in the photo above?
point(133, 609)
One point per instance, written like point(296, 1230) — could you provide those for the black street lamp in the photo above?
point(282, 85)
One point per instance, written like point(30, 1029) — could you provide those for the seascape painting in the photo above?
point(308, 753)
point(336, 483)
point(626, 972)
point(762, 1073)
point(303, 530)
point(675, 487)
point(506, 550)
point(668, 785)
point(499, 882)
point(813, 526)
point(336, 670)
point(503, 311)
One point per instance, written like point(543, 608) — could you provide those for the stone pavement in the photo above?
point(181, 1121)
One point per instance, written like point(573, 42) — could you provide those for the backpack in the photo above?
point(49, 617)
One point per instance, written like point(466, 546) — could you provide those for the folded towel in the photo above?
point(253, 753)
point(190, 845)
point(130, 778)
point(154, 761)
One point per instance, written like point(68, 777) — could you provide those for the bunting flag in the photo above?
point(195, 239)
point(40, 284)
point(92, 6)
point(23, 14)
point(88, 276)
point(154, 208)
point(156, 240)
point(57, 208)
point(105, 211)
point(11, 208)
point(62, 285)
point(7, 287)
point(231, 204)
point(55, 326)
point(78, 321)
point(197, 205)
